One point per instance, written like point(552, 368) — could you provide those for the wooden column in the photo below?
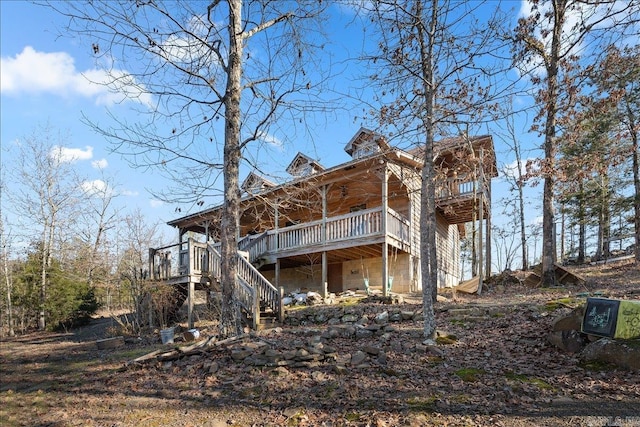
point(480, 250)
point(192, 292)
point(324, 239)
point(385, 244)
point(488, 228)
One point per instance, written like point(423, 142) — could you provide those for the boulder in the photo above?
point(572, 322)
point(621, 353)
point(570, 341)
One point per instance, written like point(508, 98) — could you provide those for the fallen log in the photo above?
point(190, 350)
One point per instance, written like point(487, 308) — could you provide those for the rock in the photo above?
point(363, 333)
point(382, 358)
point(572, 322)
point(363, 320)
point(622, 353)
point(213, 367)
point(374, 351)
point(382, 318)
point(569, 341)
point(358, 357)
point(239, 355)
point(395, 317)
point(406, 315)
point(349, 318)
point(329, 349)
point(340, 370)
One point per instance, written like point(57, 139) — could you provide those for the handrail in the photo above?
point(461, 186)
point(255, 245)
point(267, 293)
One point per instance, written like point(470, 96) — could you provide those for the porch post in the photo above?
point(385, 244)
point(487, 183)
point(324, 239)
point(275, 227)
point(482, 269)
point(192, 291)
point(480, 242)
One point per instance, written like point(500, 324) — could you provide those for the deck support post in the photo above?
point(281, 306)
point(324, 274)
point(325, 268)
point(192, 291)
point(385, 244)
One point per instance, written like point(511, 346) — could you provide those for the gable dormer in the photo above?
point(303, 166)
point(255, 184)
point(365, 143)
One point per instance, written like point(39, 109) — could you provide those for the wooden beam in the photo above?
point(385, 243)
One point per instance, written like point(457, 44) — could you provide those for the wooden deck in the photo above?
point(342, 237)
point(459, 200)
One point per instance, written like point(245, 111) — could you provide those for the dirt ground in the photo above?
point(495, 370)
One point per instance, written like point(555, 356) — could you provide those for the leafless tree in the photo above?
point(431, 76)
point(515, 175)
point(44, 195)
point(191, 65)
point(550, 42)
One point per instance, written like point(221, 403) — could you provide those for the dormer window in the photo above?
point(365, 150)
point(365, 143)
point(255, 184)
point(303, 166)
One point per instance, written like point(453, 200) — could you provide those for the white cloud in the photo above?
point(271, 140)
point(156, 203)
point(129, 193)
point(33, 72)
point(100, 164)
point(511, 169)
point(97, 187)
point(71, 155)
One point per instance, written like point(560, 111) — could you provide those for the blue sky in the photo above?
point(43, 81)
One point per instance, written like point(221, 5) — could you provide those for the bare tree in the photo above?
point(549, 45)
point(7, 276)
point(46, 190)
point(100, 216)
point(191, 65)
point(427, 65)
point(516, 176)
point(135, 237)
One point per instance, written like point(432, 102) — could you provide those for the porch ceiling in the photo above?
point(460, 210)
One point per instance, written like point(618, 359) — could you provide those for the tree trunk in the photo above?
point(548, 211)
point(428, 260)
point(523, 233)
point(7, 280)
point(636, 184)
point(229, 324)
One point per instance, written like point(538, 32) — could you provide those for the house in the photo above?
point(351, 226)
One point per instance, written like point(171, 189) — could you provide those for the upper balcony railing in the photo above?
point(462, 186)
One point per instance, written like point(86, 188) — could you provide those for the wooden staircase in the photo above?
point(259, 300)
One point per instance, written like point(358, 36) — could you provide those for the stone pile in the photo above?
point(313, 353)
point(351, 315)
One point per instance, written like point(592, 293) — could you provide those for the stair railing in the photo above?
point(252, 287)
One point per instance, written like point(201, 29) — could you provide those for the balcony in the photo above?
point(344, 237)
point(458, 199)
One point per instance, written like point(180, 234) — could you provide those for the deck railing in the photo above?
point(197, 258)
point(461, 186)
